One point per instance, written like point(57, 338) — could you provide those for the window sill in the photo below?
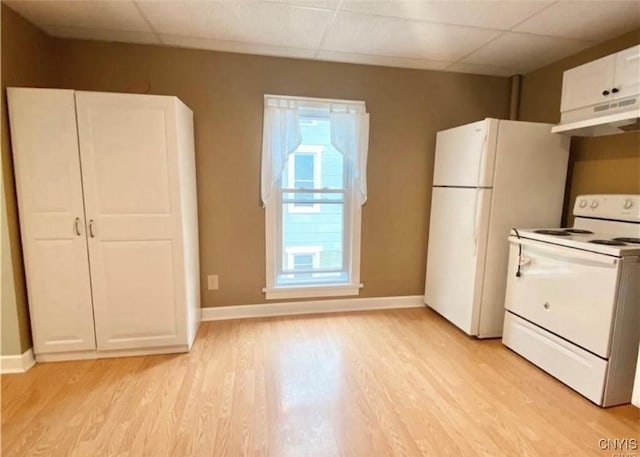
point(328, 290)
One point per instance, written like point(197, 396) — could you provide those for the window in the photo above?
point(313, 203)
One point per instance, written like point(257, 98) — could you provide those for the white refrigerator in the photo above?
point(489, 176)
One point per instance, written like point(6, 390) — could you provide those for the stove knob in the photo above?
point(628, 203)
point(594, 204)
point(583, 203)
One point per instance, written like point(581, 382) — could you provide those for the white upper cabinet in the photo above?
point(588, 84)
point(627, 79)
point(52, 218)
point(604, 80)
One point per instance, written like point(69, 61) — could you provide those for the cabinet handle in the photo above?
point(91, 232)
point(615, 90)
point(76, 225)
point(605, 92)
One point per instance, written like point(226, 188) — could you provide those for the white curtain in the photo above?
point(280, 137)
point(350, 136)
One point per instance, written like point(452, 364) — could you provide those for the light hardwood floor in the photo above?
point(402, 382)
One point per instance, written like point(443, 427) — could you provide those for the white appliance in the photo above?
point(573, 298)
point(108, 216)
point(489, 176)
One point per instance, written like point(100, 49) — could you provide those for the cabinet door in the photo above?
point(47, 168)
point(627, 79)
point(583, 85)
point(129, 166)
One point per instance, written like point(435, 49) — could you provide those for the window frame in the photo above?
point(352, 221)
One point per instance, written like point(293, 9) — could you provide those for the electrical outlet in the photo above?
point(212, 282)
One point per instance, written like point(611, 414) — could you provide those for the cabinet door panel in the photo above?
point(125, 260)
point(129, 164)
point(627, 79)
point(47, 167)
point(583, 85)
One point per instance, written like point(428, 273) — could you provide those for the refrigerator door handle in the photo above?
point(475, 223)
point(475, 206)
point(483, 157)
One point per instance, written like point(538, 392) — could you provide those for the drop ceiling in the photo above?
point(485, 37)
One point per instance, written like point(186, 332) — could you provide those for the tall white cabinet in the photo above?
point(108, 215)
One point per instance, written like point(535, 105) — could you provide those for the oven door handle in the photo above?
point(565, 252)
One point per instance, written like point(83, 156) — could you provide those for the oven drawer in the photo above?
point(569, 292)
point(577, 368)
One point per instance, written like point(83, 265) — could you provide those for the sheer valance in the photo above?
point(349, 123)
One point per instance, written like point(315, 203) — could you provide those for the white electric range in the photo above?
point(573, 297)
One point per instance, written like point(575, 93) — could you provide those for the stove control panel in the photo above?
point(619, 207)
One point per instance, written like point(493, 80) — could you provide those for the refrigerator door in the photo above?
point(455, 258)
point(465, 155)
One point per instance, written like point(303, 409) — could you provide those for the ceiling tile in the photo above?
point(384, 36)
point(236, 46)
point(501, 15)
point(82, 33)
point(334, 56)
point(481, 69)
point(590, 20)
point(114, 15)
point(464, 36)
point(255, 22)
point(525, 52)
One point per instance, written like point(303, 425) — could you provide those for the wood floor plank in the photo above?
point(380, 383)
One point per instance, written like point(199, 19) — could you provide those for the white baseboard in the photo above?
point(22, 363)
point(17, 363)
point(310, 307)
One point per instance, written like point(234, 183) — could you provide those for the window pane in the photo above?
point(331, 168)
point(316, 138)
point(303, 171)
point(318, 232)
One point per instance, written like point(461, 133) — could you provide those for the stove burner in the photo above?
point(578, 231)
point(608, 242)
point(552, 232)
point(625, 239)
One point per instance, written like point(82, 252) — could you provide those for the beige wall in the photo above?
point(27, 60)
point(225, 91)
point(9, 330)
point(608, 164)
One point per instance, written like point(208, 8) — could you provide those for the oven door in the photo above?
point(566, 291)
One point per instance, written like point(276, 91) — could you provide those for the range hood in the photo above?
point(621, 122)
